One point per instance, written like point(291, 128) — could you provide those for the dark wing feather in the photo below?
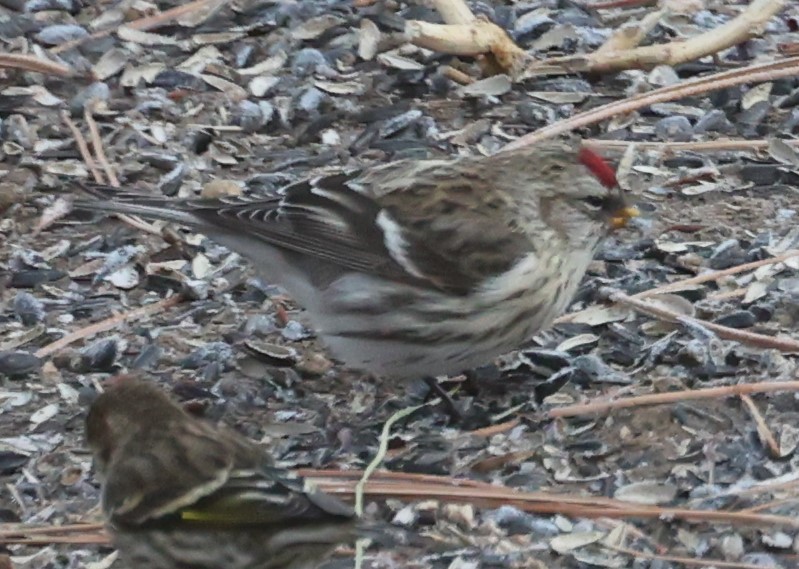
point(335, 225)
point(335, 219)
point(297, 219)
point(264, 496)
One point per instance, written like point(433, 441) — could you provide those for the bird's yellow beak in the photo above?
point(621, 217)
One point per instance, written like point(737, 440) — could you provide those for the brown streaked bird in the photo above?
point(179, 492)
point(419, 268)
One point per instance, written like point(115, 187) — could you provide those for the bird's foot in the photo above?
point(436, 390)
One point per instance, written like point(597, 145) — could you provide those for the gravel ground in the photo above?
point(259, 94)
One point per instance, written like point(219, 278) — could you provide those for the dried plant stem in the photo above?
point(34, 63)
point(14, 529)
point(724, 332)
point(475, 38)
point(75, 534)
point(381, 451)
point(631, 34)
point(788, 481)
point(456, 75)
point(91, 164)
point(543, 503)
point(766, 437)
point(339, 481)
point(671, 397)
point(97, 144)
point(464, 34)
point(690, 561)
point(752, 74)
point(108, 324)
point(145, 23)
point(698, 279)
point(715, 275)
point(630, 529)
point(71, 539)
point(83, 148)
point(747, 24)
point(407, 486)
point(772, 504)
point(722, 145)
point(492, 430)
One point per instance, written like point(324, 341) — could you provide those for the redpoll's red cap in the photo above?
point(598, 167)
point(607, 177)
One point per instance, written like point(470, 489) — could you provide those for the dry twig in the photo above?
point(747, 24)
point(34, 63)
point(631, 35)
point(91, 164)
point(145, 23)
point(97, 144)
point(108, 324)
point(83, 148)
point(689, 561)
point(721, 145)
point(592, 407)
point(698, 279)
point(463, 34)
point(716, 275)
point(766, 437)
point(749, 338)
point(385, 434)
point(407, 486)
point(478, 37)
point(752, 74)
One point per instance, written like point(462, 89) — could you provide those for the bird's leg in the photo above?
point(449, 404)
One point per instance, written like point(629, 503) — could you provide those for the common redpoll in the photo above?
point(180, 493)
point(419, 268)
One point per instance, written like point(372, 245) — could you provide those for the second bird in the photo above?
point(418, 268)
point(180, 493)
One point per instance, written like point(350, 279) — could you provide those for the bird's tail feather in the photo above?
point(113, 200)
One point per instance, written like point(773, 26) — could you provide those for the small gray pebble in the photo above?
point(250, 117)
point(294, 331)
point(18, 363)
point(28, 308)
point(310, 100)
point(219, 352)
point(60, 33)
point(70, 6)
point(792, 122)
point(196, 289)
point(738, 319)
point(98, 90)
point(728, 254)
point(714, 121)
point(98, 356)
point(306, 61)
point(534, 114)
point(676, 128)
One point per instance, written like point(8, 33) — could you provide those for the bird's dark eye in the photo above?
point(594, 201)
